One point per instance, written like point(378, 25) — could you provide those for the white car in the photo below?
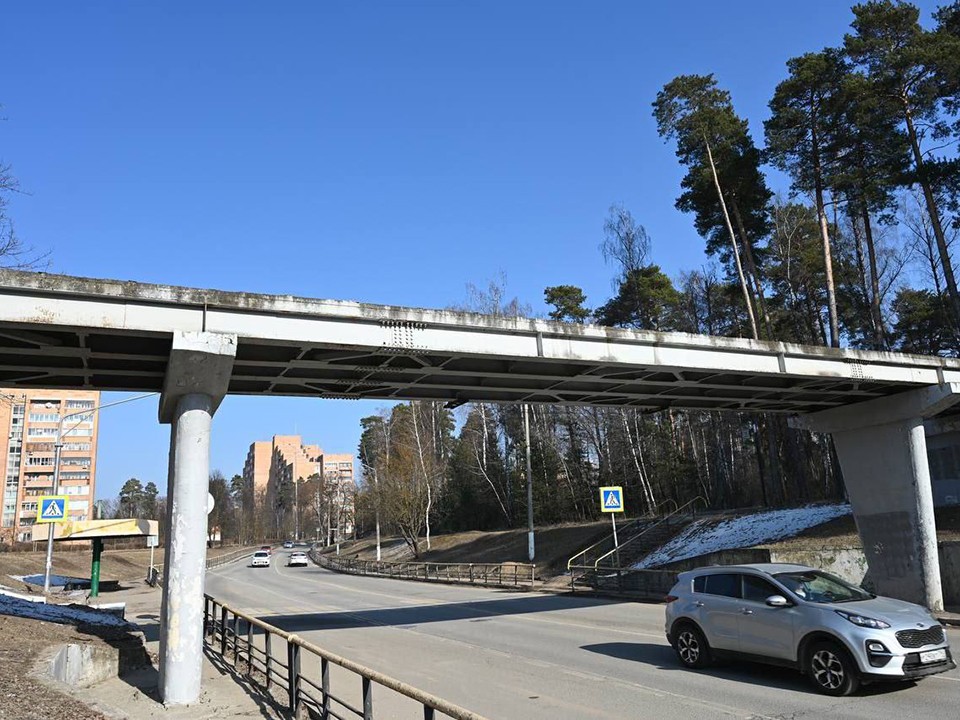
point(298, 559)
point(261, 558)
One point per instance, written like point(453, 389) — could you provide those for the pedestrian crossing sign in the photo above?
point(611, 499)
point(53, 508)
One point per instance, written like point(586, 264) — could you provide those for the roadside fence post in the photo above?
point(293, 675)
point(223, 631)
point(268, 661)
point(236, 639)
point(249, 648)
point(367, 699)
point(325, 684)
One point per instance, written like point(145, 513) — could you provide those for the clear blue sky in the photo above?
point(386, 152)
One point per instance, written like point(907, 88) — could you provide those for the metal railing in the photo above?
point(230, 556)
point(688, 508)
point(607, 573)
point(275, 659)
point(495, 574)
point(589, 556)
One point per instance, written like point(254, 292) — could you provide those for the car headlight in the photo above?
point(863, 621)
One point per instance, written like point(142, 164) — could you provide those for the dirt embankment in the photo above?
point(22, 695)
point(556, 544)
point(122, 565)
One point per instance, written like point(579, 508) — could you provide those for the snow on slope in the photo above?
point(65, 614)
point(704, 536)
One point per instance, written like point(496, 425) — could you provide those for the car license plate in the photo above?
point(933, 656)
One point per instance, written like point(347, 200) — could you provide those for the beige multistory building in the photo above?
point(285, 458)
point(31, 422)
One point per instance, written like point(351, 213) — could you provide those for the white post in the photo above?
point(181, 633)
point(531, 549)
point(51, 527)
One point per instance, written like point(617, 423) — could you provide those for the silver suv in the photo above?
point(837, 634)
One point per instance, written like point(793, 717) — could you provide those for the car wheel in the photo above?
point(691, 646)
point(832, 670)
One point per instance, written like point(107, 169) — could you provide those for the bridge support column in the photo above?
point(883, 455)
point(197, 377)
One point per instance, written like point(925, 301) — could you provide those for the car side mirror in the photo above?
point(777, 601)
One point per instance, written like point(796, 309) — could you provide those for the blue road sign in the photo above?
point(611, 499)
point(53, 508)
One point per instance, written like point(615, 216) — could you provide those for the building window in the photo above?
point(44, 417)
point(80, 404)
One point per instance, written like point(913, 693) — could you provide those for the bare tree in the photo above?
point(14, 254)
point(625, 244)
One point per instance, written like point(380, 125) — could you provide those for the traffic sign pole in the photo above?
point(58, 447)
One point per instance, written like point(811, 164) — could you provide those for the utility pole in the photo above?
point(531, 551)
point(296, 510)
point(58, 447)
point(51, 527)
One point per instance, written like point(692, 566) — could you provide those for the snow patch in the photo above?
point(706, 536)
point(64, 614)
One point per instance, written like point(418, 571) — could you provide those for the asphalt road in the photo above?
point(532, 656)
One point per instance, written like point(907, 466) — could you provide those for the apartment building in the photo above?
point(286, 458)
point(31, 421)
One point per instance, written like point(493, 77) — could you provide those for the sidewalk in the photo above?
point(135, 695)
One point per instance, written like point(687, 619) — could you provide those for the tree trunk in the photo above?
point(945, 262)
point(824, 234)
point(733, 242)
point(752, 268)
point(879, 331)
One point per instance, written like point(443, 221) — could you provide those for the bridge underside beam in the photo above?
point(117, 359)
point(881, 445)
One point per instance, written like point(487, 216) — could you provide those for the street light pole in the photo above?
point(531, 552)
point(296, 510)
point(376, 503)
point(58, 447)
point(51, 527)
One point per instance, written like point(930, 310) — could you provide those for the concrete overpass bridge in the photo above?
point(196, 345)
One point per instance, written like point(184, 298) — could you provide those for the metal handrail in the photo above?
point(230, 557)
point(496, 574)
point(224, 627)
point(666, 502)
point(665, 519)
point(572, 563)
point(605, 539)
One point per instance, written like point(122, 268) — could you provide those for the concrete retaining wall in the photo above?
point(950, 572)
point(84, 665)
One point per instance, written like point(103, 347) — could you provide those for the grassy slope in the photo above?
point(557, 543)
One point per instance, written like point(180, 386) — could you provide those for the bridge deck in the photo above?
point(61, 331)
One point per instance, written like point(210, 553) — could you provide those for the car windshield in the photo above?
point(261, 554)
point(821, 587)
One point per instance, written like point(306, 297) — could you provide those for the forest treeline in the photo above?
point(857, 252)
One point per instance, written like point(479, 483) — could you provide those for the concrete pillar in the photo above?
point(197, 378)
point(181, 640)
point(883, 455)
